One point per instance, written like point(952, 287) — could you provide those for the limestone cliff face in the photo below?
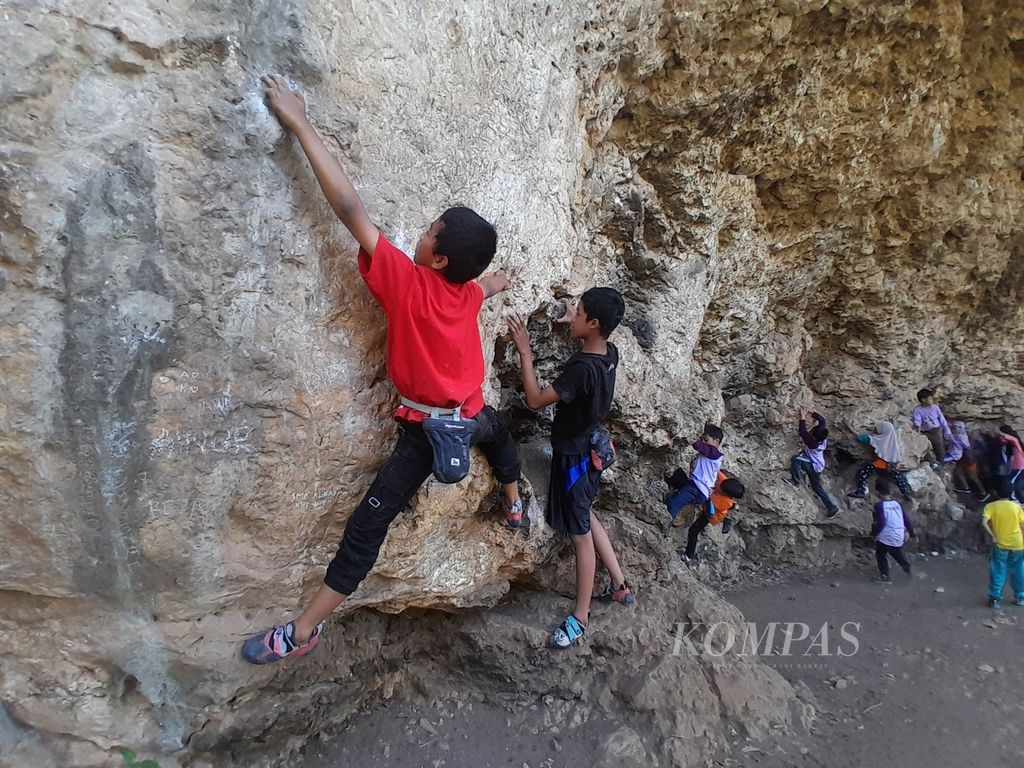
point(816, 203)
point(802, 201)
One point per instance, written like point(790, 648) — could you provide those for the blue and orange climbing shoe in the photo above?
point(568, 632)
point(623, 595)
point(277, 643)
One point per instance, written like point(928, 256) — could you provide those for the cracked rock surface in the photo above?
point(804, 202)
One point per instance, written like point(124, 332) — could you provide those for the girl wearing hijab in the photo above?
point(888, 457)
point(960, 449)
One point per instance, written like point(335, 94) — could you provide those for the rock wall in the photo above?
point(802, 201)
point(816, 204)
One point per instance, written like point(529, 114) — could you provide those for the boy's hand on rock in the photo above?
point(494, 283)
point(289, 106)
point(570, 312)
point(520, 335)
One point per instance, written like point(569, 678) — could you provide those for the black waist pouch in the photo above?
point(602, 449)
point(450, 437)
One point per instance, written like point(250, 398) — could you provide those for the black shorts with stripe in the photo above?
point(571, 493)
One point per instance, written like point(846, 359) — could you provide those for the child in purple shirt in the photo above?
point(811, 460)
point(930, 422)
point(890, 529)
point(696, 488)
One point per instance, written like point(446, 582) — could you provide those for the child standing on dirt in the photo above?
point(725, 494)
point(1003, 521)
point(890, 529)
point(929, 420)
point(435, 360)
point(811, 460)
point(888, 457)
point(583, 393)
point(696, 488)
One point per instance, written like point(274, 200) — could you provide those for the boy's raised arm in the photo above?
point(536, 397)
point(290, 109)
point(493, 284)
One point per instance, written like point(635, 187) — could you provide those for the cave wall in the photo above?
point(803, 202)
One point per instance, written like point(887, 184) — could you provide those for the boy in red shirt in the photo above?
point(434, 359)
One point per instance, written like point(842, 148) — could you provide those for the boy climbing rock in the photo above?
point(434, 359)
point(583, 392)
point(696, 487)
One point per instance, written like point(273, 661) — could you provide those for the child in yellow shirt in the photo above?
point(1003, 520)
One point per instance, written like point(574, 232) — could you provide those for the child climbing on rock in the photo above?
point(1014, 459)
point(995, 461)
point(811, 460)
point(889, 455)
point(580, 448)
point(1003, 521)
point(696, 488)
point(725, 494)
point(890, 529)
point(961, 450)
point(930, 422)
point(434, 359)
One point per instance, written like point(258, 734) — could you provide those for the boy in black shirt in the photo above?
point(584, 394)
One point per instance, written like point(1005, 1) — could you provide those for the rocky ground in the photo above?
point(935, 682)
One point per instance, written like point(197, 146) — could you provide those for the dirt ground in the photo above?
point(937, 680)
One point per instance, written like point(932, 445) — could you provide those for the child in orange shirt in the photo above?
point(715, 511)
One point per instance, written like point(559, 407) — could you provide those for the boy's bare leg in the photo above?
point(603, 546)
point(586, 566)
point(323, 605)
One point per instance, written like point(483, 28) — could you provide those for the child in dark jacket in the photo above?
point(811, 460)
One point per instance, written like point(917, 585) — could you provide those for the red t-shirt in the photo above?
point(434, 352)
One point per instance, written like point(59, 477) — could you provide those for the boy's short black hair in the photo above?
point(1004, 488)
point(469, 242)
point(924, 394)
point(606, 306)
point(883, 487)
point(819, 432)
point(732, 488)
point(714, 432)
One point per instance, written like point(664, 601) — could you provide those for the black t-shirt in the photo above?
point(586, 387)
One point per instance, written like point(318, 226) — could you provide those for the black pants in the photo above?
point(900, 477)
point(695, 528)
point(397, 482)
point(881, 550)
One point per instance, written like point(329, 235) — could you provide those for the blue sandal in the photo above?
point(568, 632)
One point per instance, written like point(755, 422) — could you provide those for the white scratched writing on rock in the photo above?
point(230, 440)
point(318, 497)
